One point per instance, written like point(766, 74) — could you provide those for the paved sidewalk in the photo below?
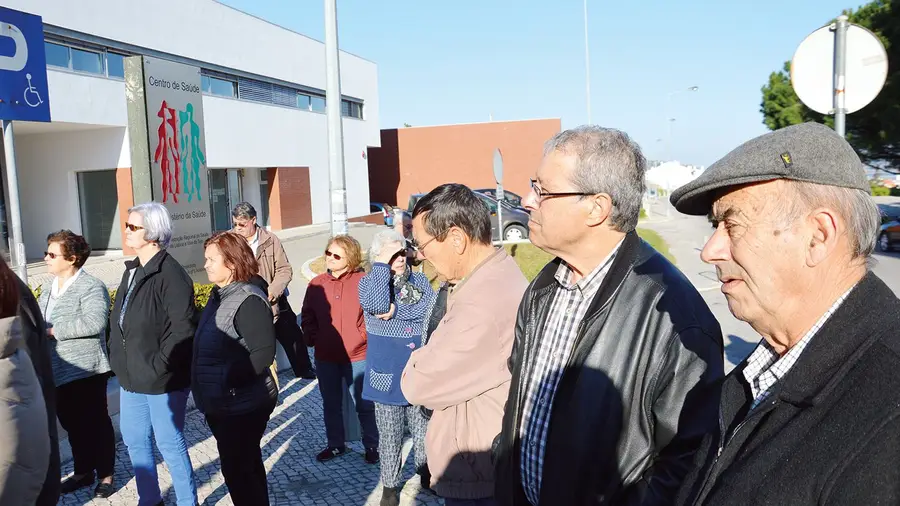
point(295, 434)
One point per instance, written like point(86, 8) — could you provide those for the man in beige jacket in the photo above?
point(462, 372)
point(277, 272)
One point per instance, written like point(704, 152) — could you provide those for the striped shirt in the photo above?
point(766, 367)
point(571, 301)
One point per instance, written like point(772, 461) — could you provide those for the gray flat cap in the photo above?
point(808, 152)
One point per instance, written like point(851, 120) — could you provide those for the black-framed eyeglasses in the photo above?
point(419, 247)
point(51, 255)
point(536, 188)
point(333, 255)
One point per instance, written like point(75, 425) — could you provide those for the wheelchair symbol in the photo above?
point(31, 91)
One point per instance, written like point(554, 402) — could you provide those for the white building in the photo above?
point(264, 108)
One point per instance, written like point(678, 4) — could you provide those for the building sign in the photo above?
point(177, 148)
point(23, 68)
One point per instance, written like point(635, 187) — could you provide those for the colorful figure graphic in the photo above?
point(168, 148)
point(193, 156)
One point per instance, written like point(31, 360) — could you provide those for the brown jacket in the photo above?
point(462, 375)
point(273, 262)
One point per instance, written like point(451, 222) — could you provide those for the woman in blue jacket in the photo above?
point(395, 301)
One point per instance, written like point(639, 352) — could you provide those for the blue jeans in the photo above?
point(330, 375)
point(143, 417)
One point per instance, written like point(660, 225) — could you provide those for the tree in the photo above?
point(874, 131)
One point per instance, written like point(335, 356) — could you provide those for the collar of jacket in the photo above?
point(152, 267)
point(332, 277)
point(623, 263)
point(495, 256)
point(871, 313)
point(265, 237)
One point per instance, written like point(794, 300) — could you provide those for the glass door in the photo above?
point(224, 194)
point(99, 198)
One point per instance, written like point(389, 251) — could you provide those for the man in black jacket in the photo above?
point(617, 359)
point(812, 417)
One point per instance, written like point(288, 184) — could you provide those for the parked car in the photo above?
point(515, 219)
point(889, 234)
point(385, 209)
point(510, 197)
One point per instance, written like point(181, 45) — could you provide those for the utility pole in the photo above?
point(16, 246)
point(587, 64)
point(840, 71)
point(337, 178)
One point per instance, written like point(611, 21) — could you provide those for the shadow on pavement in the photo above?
point(738, 348)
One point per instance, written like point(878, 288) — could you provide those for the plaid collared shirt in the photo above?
point(570, 304)
point(765, 367)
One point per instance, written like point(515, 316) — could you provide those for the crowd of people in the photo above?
point(599, 382)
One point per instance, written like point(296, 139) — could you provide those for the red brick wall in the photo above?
point(425, 157)
point(290, 203)
point(126, 202)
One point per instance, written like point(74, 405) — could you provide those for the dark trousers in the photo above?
point(238, 438)
point(290, 336)
point(83, 413)
point(334, 378)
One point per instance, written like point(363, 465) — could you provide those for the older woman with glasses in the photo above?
point(151, 335)
point(75, 306)
point(395, 301)
point(232, 384)
point(332, 322)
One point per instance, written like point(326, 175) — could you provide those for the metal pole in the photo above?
point(500, 220)
point(840, 70)
point(587, 64)
point(16, 246)
point(337, 179)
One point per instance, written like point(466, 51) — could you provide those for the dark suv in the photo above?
point(508, 196)
point(515, 219)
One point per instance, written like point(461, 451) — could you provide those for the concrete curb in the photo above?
point(306, 271)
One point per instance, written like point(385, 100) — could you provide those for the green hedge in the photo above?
point(201, 294)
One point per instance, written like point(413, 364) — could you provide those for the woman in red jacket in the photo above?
point(333, 323)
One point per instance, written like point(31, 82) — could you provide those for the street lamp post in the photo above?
point(670, 119)
point(587, 64)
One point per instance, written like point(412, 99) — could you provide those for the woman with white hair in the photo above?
point(151, 336)
point(395, 302)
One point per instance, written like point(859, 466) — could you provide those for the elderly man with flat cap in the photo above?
point(812, 416)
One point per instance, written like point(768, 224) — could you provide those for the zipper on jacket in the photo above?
point(723, 443)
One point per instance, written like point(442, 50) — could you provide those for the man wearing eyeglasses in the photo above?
point(617, 359)
point(275, 269)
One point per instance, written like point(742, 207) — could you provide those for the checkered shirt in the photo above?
point(570, 304)
point(765, 367)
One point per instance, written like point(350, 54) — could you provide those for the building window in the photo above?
point(303, 101)
point(219, 87)
point(86, 61)
point(57, 55)
point(318, 104)
point(115, 65)
point(351, 109)
point(91, 61)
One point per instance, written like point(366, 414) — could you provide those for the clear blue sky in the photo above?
point(460, 61)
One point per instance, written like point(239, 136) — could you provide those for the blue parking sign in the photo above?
point(23, 68)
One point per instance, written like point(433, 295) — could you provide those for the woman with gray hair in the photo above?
point(151, 336)
point(395, 302)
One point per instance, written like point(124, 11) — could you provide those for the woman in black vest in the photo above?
point(231, 381)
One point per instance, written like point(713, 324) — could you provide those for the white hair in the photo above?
point(381, 238)
point(855, 206)
point(157, 222)
point(608, 161)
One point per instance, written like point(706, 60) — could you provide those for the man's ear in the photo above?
point(600, 210)
point(826, 227)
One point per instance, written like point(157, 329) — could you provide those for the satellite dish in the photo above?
point(812, 69)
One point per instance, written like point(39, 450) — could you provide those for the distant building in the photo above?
point(263, 100)
point(417, 159)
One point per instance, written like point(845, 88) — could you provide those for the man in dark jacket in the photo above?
point(617, 359)
point(812, 417)
point(35, 332)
